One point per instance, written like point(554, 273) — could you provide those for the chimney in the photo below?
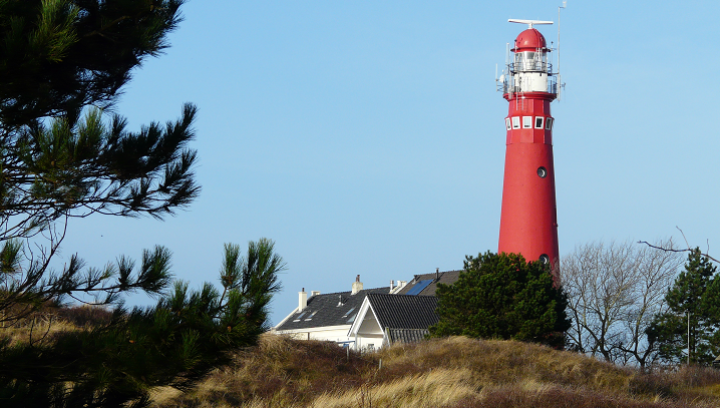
point(392, 285)
point(303, 300)
point(314, 293)
point(437, 274)
point(357, 286)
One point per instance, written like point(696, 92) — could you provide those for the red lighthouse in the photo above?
point(528, 224)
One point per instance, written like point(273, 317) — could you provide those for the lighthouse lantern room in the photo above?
point(528, 223)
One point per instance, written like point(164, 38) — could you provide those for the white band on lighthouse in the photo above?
point(530, 23)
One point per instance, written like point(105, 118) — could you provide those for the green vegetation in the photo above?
point(504, 297)
point(693, 317)
point(62, 62)
point(120, 358)
point(454, 372)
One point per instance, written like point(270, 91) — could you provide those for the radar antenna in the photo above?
point(530, 23)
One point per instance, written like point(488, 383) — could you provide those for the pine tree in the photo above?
point(63, 64)
point(503, 296)
point(692, 321)
point(175, 343)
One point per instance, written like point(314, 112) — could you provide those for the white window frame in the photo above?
point(527, 122)
point(542, 122)
point(516, 122)
point(508, 126)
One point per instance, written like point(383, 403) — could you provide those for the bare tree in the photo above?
point(614, 291)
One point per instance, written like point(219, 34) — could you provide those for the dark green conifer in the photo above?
point(691, 322)
point(504, 297)
point(62, 65)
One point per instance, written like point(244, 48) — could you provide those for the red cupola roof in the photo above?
point(529, 40)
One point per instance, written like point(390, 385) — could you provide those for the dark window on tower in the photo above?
point(549, 123)
point(539, 122)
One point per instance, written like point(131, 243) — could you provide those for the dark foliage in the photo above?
point(176, 343)
point(62, 55)
point(503, 296)
point(691, 324)
point(62, 64)
point(60, 158)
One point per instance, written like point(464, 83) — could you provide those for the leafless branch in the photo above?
point(688, 249)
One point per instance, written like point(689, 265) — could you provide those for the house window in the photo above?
point(539, 122)
point(297, 319)
point(370, 348)
point(516, 122)
point(507, 124)
point(311, 316)
point(527, 122)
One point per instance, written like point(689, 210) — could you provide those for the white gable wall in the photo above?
point(366, 330)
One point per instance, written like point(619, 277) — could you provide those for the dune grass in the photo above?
point(454, 372)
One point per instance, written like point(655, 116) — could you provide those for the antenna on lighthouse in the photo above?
point(530, 23)
point(559, 77)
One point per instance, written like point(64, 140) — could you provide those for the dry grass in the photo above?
point(437, 388)
point(453, 373)
point(501, 362)
point(47, 323)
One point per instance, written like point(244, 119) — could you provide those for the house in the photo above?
point(368, 318)
point(329, 316)
point(385, 319)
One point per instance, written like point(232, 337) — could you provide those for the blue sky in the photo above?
point(367, 137)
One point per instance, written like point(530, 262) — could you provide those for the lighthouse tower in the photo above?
point(528, 224)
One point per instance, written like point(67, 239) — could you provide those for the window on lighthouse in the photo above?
point(508, 126)
point(549, 123)
point(516, 122)
point(525, 61)
point(539, 122)
point(527, 122)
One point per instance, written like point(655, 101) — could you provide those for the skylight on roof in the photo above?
point(352, 319)
point(297, 319)
point(348, 312)
point(311, 316)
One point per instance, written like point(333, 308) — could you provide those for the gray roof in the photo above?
point(407, 335)
point(332, 309)
point(404, 311)
point(447, 278)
